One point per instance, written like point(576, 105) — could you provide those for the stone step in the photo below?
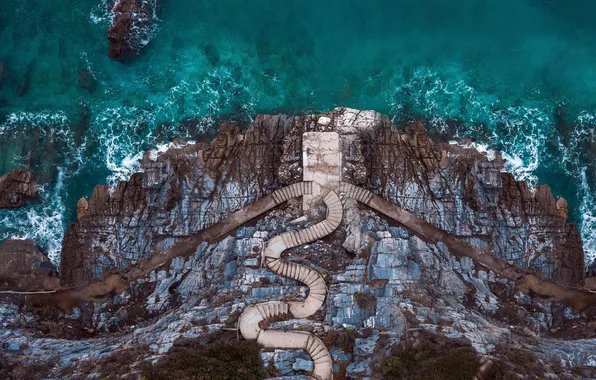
point(302, 274)
point(319, 352)
point(310, 343)
point(275, 265)
point(312, 277)
point(260, 310)
point(307, 187)
point(310, 234)
point(319, 297)
point(325, 228)
point(323, 360)
point(318, 288)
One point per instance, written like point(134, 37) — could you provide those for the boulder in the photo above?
point(132, 28)
point(16, 188)
point(23, 266)
point(87, 80)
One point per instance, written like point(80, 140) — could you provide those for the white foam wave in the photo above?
point(584, 133)
point(125, 133)
point(41, 222)
point(518, 132)
point(482, 148)
point(588, 222)
point(162, 148)
point(101, 14)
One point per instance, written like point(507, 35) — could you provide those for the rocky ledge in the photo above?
point(16, 188)
point(25, 267)
point(172, 257)
point(133, 25)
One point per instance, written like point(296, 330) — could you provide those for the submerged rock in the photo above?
point(132, 27)
point(16, 188)
point(24, 84)
point(3, 70)
point(87, 80)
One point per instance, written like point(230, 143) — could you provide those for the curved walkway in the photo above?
point(253, 315)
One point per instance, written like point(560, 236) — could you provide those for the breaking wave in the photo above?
point(522, 133)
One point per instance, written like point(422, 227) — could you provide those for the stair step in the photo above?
point(319, 297)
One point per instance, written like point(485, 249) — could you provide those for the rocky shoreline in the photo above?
point(153, 261)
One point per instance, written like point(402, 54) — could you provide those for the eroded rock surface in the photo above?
point(455, 188)
point(24, 266)
point(180, 192)
point(133, 25)
point(386, 285)
point(16, 188)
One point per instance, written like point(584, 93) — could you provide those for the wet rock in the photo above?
point(87, 80)
point(392, 285)
point(132, 27)
point(24, 84)
point(3, 71)
point(181, 191)
point(23, 266)
point(16, 188)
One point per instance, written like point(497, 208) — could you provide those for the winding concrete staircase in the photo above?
point(253, 315)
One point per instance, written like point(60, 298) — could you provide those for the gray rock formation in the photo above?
point(388, 285)
point(179, 192)
point(190, 187)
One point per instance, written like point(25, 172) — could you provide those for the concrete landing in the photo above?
point(321, 163)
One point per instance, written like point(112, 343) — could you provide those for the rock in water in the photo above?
point(24, 266)
point(16, 188)
point(23, 84)
point(87, 80)
point(3, 70)
point(132, 27)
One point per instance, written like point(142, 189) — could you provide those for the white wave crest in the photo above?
point(41, 222)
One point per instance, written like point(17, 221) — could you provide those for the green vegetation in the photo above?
point(15, 369)
point(365, 300)
point(430, 357)
point(218, 361)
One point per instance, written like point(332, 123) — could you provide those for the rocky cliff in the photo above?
point(398, 304)
point(453, 187)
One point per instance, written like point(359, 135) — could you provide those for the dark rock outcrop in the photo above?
point(467, 193)
point(87, 80)
point(453, 187)
point(389, 284)
point(132, 27)
point(25, 267)
point(3, 70)
point(16, 188)
point(180, 192)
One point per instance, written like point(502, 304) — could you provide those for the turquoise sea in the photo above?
point(515, 75)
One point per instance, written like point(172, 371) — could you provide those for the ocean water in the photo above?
point(514, 75)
